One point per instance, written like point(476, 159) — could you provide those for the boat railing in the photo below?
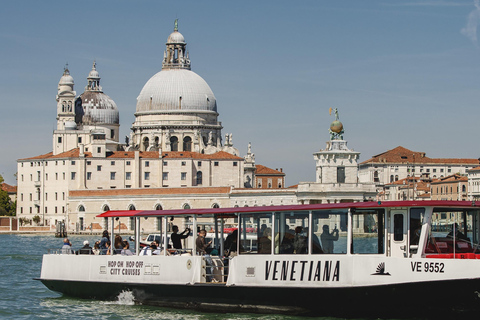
point(77, 252)
point(215, 269)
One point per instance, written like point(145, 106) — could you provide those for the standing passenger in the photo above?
point(177, 237)
point(103, 242)
point(328, 238)
point(202, 247)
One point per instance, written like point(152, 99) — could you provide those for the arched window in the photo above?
point(131, 207)
point(81, 208)
point(396, 177)
point(199, 178)
point(158, 207)
point(464, 189)
point(391, 178)
point(187, 144)
point(174, 144)
point(105, 208)
point(146, 142)
point(375, 177)
point(186, 206)
point(215, 205)
point(157, 141)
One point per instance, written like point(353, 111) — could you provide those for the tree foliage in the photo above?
point(7, 206)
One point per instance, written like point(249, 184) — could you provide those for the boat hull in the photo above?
point(439, 298)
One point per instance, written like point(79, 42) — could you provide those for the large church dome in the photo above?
point(93, 106)
point(176, 89)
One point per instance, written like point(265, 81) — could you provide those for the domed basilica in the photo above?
point(174, 157)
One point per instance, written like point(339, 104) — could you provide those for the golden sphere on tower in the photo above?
point(336, 126)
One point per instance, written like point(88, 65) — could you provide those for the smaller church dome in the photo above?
point(175, 37)
point(66, 79)
point(93, 106)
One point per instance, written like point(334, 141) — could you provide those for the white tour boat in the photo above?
point(398, 258)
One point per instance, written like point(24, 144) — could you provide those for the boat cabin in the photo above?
point(431, 229)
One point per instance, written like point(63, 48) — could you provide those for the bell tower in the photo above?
point(65, 101)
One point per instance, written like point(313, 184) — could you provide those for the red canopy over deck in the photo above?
point(230, 212)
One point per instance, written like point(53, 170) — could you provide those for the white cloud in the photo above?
point(473, 20)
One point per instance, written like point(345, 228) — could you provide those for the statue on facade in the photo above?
point(336, 127)
point(210, 138)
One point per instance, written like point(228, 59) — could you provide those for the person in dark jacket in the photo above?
point(177, 237)
point(86, 249)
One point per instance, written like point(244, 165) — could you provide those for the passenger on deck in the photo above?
point(109, 248)
point(286, 247)
point(202, 247)
point(300, 244)
point(126, 249)
point(67, 246)
point(177, 237)
point(458, 234)
point(118, 244)
point(103, 242)
point(328, 238)
point(96, 248)
point(155, 248)
point(265, 242)
point(86, 249)
point(316, 246)
point(147, 250)
point(231, 244)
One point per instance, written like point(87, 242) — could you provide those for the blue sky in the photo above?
point(400, 72)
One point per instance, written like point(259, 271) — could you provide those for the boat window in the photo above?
point(291, 230)
point(368, 231)
point(329, 231)
point(256, 233)
point(416, 220)
point(453, 232)
point(398, 227)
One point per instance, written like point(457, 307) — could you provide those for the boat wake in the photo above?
point(124, 298)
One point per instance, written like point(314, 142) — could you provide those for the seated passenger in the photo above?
point(202, 247)
point(286, 247)
point(96, 248)
point(126, 249)
point(86, 249)
point(67, 246)
point(177, 237)
point(458, 234)
point(156, 250)
point(265, 242)
point(300, 244)
point(118, 244)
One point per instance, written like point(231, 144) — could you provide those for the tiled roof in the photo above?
point(262, 170)
point(451, 178)
point(150, 191)
point(404, 155)
point(74, 153)
point(9, 188)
